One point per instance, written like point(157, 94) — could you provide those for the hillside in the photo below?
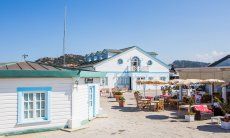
point(71, 60)
point(188, 64)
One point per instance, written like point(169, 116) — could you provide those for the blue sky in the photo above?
point(176, 29)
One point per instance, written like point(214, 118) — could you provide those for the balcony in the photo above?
point(138, 68)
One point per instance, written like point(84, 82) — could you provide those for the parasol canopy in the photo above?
point(175, 81)
point(153, 82)
point(189, 82)
point(213, 81)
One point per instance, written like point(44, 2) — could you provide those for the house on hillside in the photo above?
point(36, 97)
point(125, 66)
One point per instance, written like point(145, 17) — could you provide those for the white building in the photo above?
point(125, 66)
point(36, 97)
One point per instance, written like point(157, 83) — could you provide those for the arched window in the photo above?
point(135, 62)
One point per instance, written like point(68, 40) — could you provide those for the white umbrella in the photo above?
point(175, 81)
point(212, 82)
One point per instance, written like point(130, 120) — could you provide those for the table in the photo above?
point(183, 107)
point(146, 102)
point(217, 118)
point(156, 102)
point(174, 102)
point(145, 99)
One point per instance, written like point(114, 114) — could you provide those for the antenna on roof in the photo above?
point(64, 36)
point(24, 56)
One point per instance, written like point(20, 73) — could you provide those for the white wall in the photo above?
point(80, 101)
point(60, 102)
point(112, 64)
point(114, 70)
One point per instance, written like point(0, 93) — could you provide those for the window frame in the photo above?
point(120, 61)
point(105, 79)
point(33, 90)
point(163, 78)
point(89, 80)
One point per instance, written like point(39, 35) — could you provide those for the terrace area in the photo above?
point(129, 121)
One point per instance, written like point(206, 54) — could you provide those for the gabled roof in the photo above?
point(94, 63)
point(26, 66)
point(36, 70)
point(219, 61)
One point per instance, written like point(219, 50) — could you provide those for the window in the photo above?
point(123, 81)
point(104, 81)
point(120, 61)
point(163, 78)
point(33, 104)
point(150, 78)
point(150, 62)
point(88, 80)
point(140, 78)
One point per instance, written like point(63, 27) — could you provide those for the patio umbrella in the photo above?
point(154, 82)
point(142, 83)
point(158, 82)
point(175, 81)
point(186, 82)
point(212, 82)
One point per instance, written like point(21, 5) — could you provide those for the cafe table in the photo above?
point(156, 102)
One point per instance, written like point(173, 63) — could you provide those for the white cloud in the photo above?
point(210, 57)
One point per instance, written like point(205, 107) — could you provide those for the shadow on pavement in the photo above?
point(126, 109)
point(212, 128)
point(157, 117)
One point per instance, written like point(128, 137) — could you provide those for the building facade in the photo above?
point(36, 97)
point(125, 66)
point(217, 70)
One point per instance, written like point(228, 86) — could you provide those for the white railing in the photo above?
point(138, 68)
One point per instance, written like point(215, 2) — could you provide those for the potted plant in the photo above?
point(225, 122)
point(122, 101)
point(136, 92)
point(117, 95)
point(189, 116)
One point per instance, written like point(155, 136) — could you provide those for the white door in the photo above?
point(91, 102)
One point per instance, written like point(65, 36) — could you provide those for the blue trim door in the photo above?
point(91, 102)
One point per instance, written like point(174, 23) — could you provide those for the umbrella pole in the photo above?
point(144, 89)
point(156, 90)
point(212, 92)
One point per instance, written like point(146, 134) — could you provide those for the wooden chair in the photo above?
point(142, 104)
point(161, 104)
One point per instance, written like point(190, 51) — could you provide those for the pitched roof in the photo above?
point(219, 61)
point(36, 70)
point(27, 66)
point(92, 63)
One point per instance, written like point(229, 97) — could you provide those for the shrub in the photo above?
point(122, 99)
point(118, 93)
point(206, 98)
point(226, 108)
point(136, 92)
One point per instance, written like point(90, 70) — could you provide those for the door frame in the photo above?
point(130, 83)
point(93, 87)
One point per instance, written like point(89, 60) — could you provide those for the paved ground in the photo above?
point(130, 122)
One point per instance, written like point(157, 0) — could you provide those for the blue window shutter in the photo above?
point(48, 105)
point(20, 107)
